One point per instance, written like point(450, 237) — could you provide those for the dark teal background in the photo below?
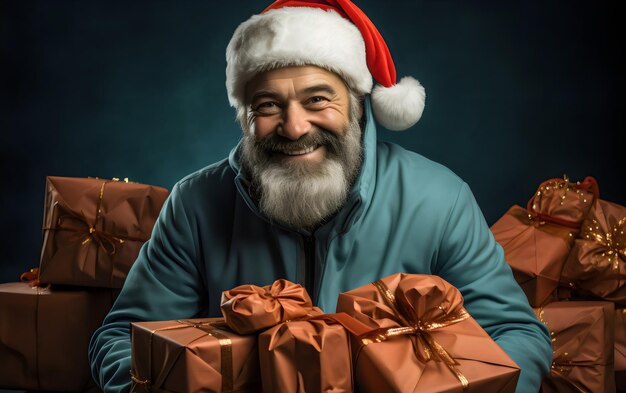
point(517, 92)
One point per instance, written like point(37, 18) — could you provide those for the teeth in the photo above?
point(299, 152)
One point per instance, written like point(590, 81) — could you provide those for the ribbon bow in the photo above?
point(87, 232)
point(250, 308)
point(427, 348)
point(613, 241)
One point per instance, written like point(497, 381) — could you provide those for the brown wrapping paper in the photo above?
point(620, 348)
point(564, 202)
point(536, 251)
point(597, 264)
point(250, 308)
point(433, 311)
point(93, 229)
point(538, 239)
point(197, 355)
point(44, 336)
point(582, 342)
point(306, 356)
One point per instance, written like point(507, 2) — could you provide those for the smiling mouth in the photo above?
point(299, 152)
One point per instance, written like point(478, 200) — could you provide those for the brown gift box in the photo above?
point(93, 229)
point(306, 356)
point(597, 264)
point(538, 239)
point(45, 333)
point(303, 351)
point(583, 345)
point(417, 315)
point(620, 348)
point(197, 355)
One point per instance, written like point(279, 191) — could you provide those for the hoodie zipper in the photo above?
point(308, 266)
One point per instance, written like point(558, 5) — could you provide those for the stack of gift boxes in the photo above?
point(567, 250)
point(92, 232)
point(401, 333)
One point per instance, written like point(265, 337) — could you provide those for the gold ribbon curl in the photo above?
point(427, 348)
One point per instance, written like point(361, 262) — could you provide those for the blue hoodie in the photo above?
point(404, 213)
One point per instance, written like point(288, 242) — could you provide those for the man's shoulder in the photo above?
point(413, 170)
point(215, 181)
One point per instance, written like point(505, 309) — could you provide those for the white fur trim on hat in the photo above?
point(400, 106)
point(295, 36)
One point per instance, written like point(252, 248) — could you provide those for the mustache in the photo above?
point(275, 143)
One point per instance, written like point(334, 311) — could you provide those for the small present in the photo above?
point(620, 348)
point(44, 336)
point(537, 239)
point(597, 264)
point(250, 308)
point(583, 344)
point(306, 356)
point(303, 350)
point(424, 339)
point(93, 229)
point(196, 355)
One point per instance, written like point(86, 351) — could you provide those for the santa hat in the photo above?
point(332, 34)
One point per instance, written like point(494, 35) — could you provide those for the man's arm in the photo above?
point(163, 284)
point(473, 261)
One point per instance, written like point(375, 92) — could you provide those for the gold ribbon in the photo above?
point(614, 240)
point(210, 328)
point(107, 241)
point(427, 347)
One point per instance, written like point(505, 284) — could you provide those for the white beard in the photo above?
point(301, 198)
point(304, 195)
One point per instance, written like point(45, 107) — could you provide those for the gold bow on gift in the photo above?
point(88, 232)
point(613, 241)
point(426, 348)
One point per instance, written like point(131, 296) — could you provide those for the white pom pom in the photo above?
point(400, 106)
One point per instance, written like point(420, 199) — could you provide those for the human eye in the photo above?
point(266, 107)
point(316, 101)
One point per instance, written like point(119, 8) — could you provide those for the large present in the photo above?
point(620, 348)
point(537, 239)
point(196, 355)
point(44, 336)
point(597, 264)
point(424, 340)
point(93, 229)
point(582, 342)
point(303, 350)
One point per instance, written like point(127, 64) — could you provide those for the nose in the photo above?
point(295, 123)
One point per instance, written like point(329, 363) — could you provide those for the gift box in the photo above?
point(538, 239)
point(424, 339)
point(93, 229)
point(306, 356)
point(597, 264)
point(197, 355)
point(45, 333)
point(583, 344)
point(620, 348)
point(303, 350)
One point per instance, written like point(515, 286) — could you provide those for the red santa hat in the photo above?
point(332, 34)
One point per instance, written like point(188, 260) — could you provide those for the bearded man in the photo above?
point(310, 195)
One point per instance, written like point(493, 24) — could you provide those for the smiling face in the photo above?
point(301, 143)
